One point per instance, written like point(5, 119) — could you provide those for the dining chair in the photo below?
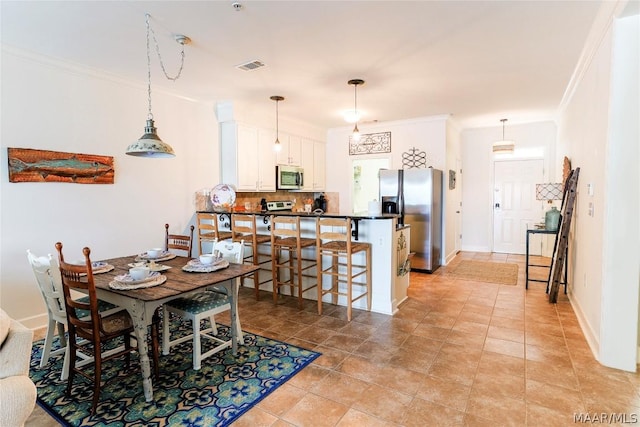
point(178, 241)
point(243, 227)
point(287, 257)
point(208, 230)
point(96, 329)
point(333, 239)
point(47, 273)
point(197, 308)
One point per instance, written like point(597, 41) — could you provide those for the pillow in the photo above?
point(5, 323)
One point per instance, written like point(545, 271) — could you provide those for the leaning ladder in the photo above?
point(561, 251)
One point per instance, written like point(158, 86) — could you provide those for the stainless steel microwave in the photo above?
point(289, 177)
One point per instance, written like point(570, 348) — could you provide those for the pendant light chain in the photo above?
point(149, 114)
point(181, 41)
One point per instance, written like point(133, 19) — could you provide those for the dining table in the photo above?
point(142, 303)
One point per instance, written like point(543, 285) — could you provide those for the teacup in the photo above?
point(207, 258)
point(139, 273)
point(154, 253)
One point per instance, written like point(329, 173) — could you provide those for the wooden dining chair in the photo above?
point(178, 241)
point(95, 329)
point(47, 273)
point(201, 306)
point(209, 230)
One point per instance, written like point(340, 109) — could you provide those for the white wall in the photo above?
point(51, 106)
point(598, 130)
point(427, 134)
point(452, 197)
point(531, 139)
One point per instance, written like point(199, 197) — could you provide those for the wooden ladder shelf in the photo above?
point(562, 239)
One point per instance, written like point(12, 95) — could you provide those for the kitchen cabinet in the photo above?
point(247, 159)
point(319, 165)
point(290, 154)
point(313, 161)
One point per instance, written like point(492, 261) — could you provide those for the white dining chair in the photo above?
point(201, 306)
point(47, 272)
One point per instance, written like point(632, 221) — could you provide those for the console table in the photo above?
point(527, 280)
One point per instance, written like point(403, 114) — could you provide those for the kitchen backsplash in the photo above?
point(251, 200)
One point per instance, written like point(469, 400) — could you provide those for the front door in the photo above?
point(515, 207)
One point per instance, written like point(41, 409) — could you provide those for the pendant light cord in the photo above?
point(149, 114)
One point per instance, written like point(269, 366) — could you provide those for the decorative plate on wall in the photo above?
point(223, 197)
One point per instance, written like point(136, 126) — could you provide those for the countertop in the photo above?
point(357, 215)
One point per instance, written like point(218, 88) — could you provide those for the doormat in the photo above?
point(216, 395)
point(504, 273)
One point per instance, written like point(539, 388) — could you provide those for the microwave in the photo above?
point(289, 177)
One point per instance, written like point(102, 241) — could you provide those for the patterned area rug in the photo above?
point(504, 273)
point(216, 395)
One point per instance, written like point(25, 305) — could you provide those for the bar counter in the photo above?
point(389, 250)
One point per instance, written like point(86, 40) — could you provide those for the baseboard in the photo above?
point(35, 322)
point(476, 248)
point(590, 336)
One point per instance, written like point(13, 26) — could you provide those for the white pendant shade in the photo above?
point(150, 144)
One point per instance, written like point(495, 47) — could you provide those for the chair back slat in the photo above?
point(86, 324)
point(231, 251)
point(178, 242)
point(47, 273)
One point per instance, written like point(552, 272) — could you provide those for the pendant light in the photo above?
point(277, 146)
point(355, 135)
point(505, 145)
point(150, 144)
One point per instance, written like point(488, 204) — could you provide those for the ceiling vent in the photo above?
point(252, 65)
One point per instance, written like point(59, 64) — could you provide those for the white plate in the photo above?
point(126, 278)
point(156, 267)
point(195, 266)
point(164, 256)
point(158, 280)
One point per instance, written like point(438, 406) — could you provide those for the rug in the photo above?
point(504, 273)
point(216, 395)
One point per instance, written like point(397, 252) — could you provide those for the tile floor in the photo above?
point(457, 353)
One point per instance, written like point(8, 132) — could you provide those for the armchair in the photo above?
point(17, 391)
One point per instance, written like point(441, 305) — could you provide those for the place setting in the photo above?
point(137, 278)
point(97, 267)
point(155, 255)
point(206, 263)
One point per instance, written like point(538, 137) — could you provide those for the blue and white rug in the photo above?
point(216, 395)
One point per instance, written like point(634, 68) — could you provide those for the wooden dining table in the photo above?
point(142, 303)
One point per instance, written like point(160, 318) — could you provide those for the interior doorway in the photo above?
point(365, 181)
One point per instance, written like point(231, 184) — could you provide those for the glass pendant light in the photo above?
point(277, 146)
point(355, 135)
point(150, 144)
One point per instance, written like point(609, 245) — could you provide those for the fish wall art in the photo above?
point(29, 165)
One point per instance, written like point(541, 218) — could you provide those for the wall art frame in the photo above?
point(370, 143)
point(31, 165)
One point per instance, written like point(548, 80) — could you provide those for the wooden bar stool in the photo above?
point(333, 238)
point(243, 227)
point(208, 230)
point(285, 238)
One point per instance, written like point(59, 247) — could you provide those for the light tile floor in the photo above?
point(457, 353)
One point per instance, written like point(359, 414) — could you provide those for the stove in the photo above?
point(284, 205)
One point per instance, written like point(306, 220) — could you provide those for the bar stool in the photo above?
point(285, 238)
point(333, 238)
point(208, 230)
point(243, 227)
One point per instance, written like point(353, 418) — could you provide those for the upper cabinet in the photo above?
point(290, 154)
point(313, 163)
point(247, 157)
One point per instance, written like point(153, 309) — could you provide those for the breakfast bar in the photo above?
point(389, 251)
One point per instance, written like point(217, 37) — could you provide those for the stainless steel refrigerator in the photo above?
point(416, 194)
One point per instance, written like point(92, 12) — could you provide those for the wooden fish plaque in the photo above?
point(28, 165)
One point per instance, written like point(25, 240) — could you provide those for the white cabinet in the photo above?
point(290, 154)
point(247, 158)
point(319, 165)
point(307, 163)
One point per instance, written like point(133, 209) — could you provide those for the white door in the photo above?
point(515, 207)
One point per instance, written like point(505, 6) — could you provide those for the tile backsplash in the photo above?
point(251, 200)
